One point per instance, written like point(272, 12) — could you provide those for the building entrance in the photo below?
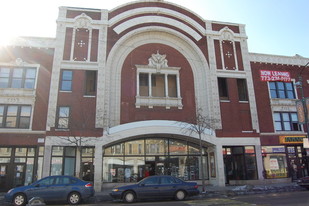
point(3, 177)
point(297, 162)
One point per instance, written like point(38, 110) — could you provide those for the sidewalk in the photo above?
point(215, 191)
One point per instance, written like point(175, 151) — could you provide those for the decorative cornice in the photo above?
point(276, 59)
point(33, 42)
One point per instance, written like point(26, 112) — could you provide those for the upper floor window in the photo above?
point(284, 90)
point(242, 90)
point(63, 117)
point(223, 89)
point(286, 121)
point(17, 77)
point(15, 116)
point(66, 80)
point(90, 82)
point(158, 84)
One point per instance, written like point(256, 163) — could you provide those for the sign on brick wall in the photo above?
point(267, 75)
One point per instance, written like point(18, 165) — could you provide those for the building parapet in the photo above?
point(277, 59)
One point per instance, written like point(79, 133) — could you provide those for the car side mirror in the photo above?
point(37, 185)
point(142, 184)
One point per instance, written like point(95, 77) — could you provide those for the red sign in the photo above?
point(267, 75)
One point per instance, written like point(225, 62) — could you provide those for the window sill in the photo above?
point(166, 102)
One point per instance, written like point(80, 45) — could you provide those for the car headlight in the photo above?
point(115, 190)
point(10, 191)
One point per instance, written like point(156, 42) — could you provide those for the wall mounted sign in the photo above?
point(268, 75)
point(291, 139)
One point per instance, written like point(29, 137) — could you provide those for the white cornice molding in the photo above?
point(33, 42)
point(277, 59)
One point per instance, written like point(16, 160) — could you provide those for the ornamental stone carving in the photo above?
point(83, 21)
point(158, 61)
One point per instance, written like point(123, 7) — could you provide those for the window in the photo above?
point(15, 116)
point(283, 90)
point(286, 121)
point(158, 86)
point(242, 90)
point(66, 80)
point(63, 161)
point(91, 82)
point(17, 77)
point(223, 89)
point(63, 117)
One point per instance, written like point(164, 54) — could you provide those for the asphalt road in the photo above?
point(299, 198)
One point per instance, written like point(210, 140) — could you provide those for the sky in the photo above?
point(278, 27)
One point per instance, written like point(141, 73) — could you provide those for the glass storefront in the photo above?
point(131, 161)
point(275, 162)
point(240, 163)
point(63, 161)
point(20, 166)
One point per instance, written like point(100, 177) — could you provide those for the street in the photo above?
point(271, 199)
point(299, 198)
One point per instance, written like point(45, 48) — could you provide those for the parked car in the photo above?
point(52, 188)
point(156, 187)
point(304, 182)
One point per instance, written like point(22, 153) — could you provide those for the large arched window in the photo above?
point(131, 161)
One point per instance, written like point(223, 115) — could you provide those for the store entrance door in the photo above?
point(4, 179)
point(297, 159)
point(19, 174)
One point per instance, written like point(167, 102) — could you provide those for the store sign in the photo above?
point(267, 75)
point(291, 139)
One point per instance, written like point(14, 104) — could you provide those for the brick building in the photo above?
point(107, 100)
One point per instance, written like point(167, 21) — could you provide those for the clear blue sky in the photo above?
point(279, 27)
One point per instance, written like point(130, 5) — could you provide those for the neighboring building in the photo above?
point(108, 97)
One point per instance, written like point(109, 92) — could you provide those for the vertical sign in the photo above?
point(300, 112)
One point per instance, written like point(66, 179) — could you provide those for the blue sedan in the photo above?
point(52, 188)
point(155, 187)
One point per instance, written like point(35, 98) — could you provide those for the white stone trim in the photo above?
point(157, 19)
point(162, 35)
point(156, 10)
point(277, 59)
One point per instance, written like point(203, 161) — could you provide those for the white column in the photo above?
point(89, 45)
point(166, 85)
point(220, 173)
point(259, 161)
point(222, 55)
point(178, 85)
point(47, 160)
point(98, 163)
point(137, 84)
point(149, 85)
point(235, 56)
point(72, 44)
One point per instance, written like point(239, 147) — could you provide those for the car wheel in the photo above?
point(19, 199)
point(129, 197)
point(180, 195)
point(74, 198)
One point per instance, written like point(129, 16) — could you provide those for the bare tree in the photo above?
point(199, 125)
point(76, 128)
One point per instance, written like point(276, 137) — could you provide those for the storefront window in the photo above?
point(240, 163)
point(275, 164)
point(63, 161)
point(154, 156)
point(87, 163)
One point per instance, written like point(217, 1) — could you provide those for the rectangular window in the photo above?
point(223, 89)
point(172, 85)
point(63, 163)
point(158, 85)
point(143, 84)
point(63, 117)
point(15, 116)
point(91, 82)
point(242, 90)
point(283, 90)
point(17, 77)
point(286, 121)
point(66, 80)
